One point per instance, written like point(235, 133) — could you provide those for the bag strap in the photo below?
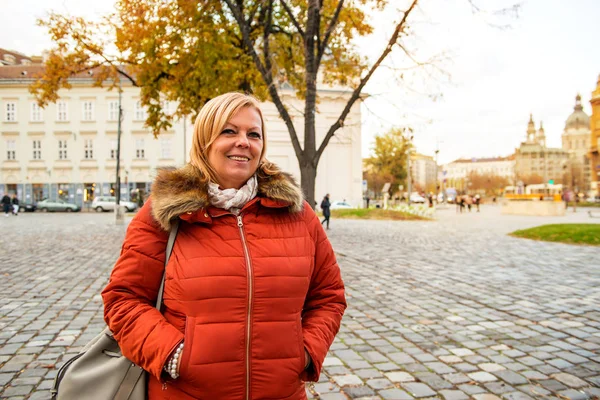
point(172, 236)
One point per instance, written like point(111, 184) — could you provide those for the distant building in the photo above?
point(67, 150)
point(576, 140)
point(8, 57)
point(423, 172)
point(456, 174)
point(594, 153)
point(537, 163)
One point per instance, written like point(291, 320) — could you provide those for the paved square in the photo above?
point(451, 309)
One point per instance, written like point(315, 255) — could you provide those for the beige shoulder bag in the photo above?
point(100, 372)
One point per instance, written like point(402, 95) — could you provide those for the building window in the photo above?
point(62, 111)
point(140, 112)
point(37, 149)
point(113, 149)
point(11, 112)
point(62, 150)
point(11, 145)
point(88, 147)
point(63, 191)
point(165, 105)
point(139, 149)
point(10, 59)
point(88, 110)
point(165, 148)
point(36, 113)
point(113, 110)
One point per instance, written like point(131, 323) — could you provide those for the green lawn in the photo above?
point(375, 213)
point(563, 233)
point(585, 204)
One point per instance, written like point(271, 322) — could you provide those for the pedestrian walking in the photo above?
point(462, 203)
point(469, 201)
point(477, 200)
point(15, 204)
point(253, 296)
point(6, 204)
point(325, 206)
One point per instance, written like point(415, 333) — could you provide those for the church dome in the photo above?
point(578, 119)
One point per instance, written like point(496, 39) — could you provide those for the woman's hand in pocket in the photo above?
point(306, 359)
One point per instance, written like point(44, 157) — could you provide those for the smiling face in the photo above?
point(236, 152)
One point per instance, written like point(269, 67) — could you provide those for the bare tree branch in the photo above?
point(267, 76)
point(330, 27)
point(289, 12)
point(253, 12)
point(511, 10)
point(111, 63)
point(356, 94)
point(129, 77)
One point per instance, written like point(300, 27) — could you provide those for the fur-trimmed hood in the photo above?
point(179, 191)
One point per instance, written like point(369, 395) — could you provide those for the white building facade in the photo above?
point(68, 149)
point(457, 172)
point(423, 172)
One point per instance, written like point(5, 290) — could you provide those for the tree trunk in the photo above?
point(308, 163)
point(308, 175)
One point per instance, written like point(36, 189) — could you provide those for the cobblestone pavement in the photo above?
point(450, 309)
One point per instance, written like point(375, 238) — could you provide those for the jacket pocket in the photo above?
point(301, 353)
point(188, 343)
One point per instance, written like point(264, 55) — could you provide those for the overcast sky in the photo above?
point(548, 54)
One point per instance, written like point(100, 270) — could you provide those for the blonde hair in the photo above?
point(210, 122)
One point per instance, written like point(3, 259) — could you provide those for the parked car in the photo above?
point(451, 195)
point(107, 203)
point(57, 205)
point(594, 199)
point(417, 198)
point(336, 205)
point(27, 207)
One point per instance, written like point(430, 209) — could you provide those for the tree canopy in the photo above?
point(191, 51)
point(389, 156)
point(487, 182)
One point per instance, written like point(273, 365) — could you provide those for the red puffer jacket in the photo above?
point(246, 293)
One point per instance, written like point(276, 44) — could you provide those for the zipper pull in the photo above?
point(164, 386)
point(239, 218)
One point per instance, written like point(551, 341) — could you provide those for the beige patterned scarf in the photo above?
point(232, 199)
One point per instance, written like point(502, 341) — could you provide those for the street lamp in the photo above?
point(119, 217)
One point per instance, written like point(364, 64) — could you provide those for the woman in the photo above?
point(253, 296)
